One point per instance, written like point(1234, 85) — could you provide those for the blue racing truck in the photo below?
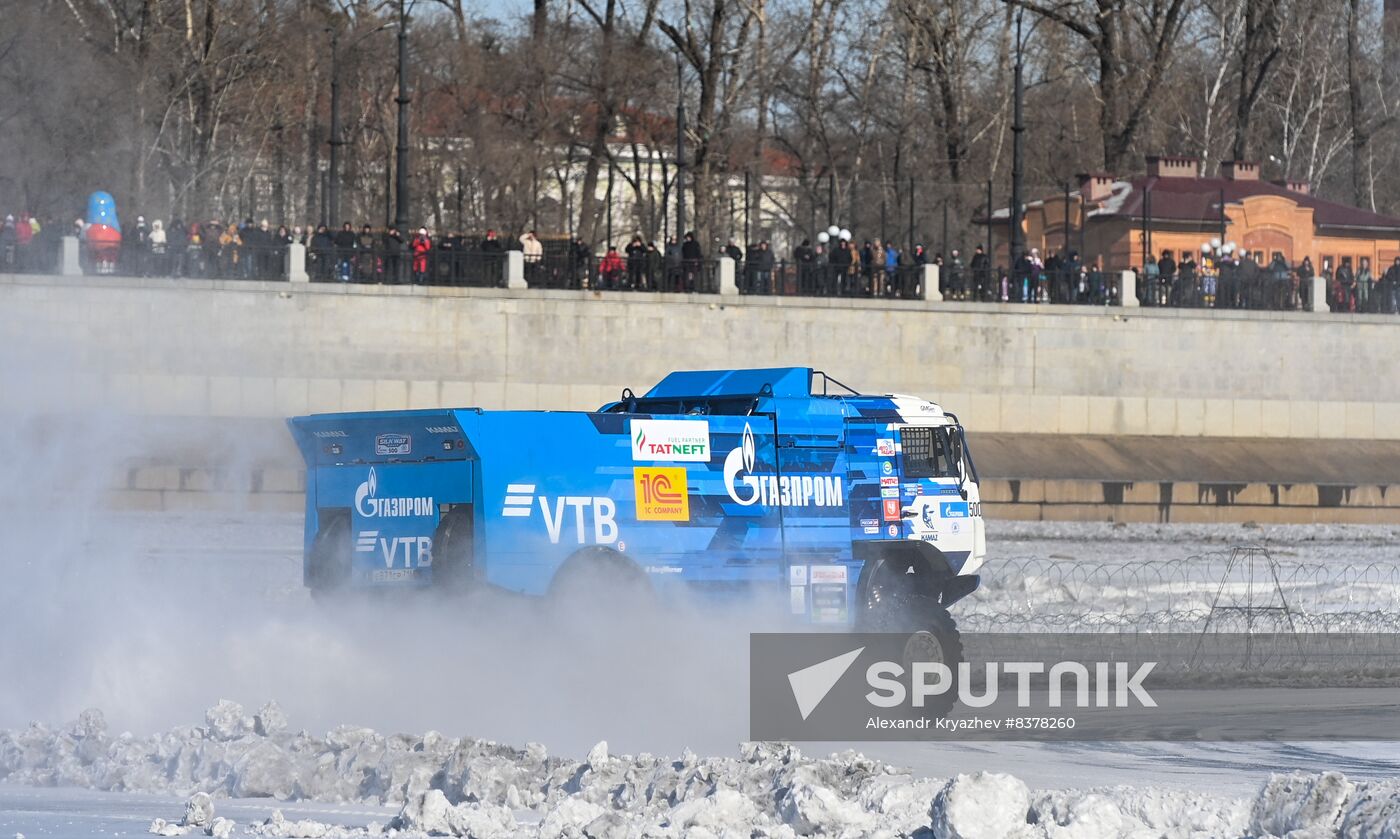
point(858, 511)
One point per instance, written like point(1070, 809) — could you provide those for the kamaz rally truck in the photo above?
point(858, 511)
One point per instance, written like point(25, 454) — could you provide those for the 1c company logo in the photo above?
point(661, 493)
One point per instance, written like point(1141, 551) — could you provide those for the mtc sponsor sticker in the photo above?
point(884, 448)
point(891, 481)
point(393, 444)
point(891, 506)
point(952, 509)
point(686, 440)
point(828, 574)
point(661, 493)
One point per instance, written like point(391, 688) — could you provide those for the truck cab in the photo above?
point(777, 479)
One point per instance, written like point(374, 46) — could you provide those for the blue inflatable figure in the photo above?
point(104, 232)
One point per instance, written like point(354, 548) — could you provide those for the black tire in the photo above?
point(933, 636)
point(454, 557)
point(328, 566)
point(599, 575)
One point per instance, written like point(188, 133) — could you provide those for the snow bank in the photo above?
point(476, 788)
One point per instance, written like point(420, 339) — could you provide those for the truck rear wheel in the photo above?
point(598, 576)
point(328, 565)
point(453, 552)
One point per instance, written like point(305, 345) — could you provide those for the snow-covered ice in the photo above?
point(768, 789)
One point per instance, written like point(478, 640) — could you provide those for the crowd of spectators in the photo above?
point(27, 244)
point(1216, 277)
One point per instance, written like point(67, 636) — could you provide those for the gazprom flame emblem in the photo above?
point(741, 460)
point(369, 505)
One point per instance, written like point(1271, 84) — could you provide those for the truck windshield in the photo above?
point(929, 452)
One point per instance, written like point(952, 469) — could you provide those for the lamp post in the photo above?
point(1017, 163)
point(401, 152)
point(680, 151)
point(333, 174)
point(332, 187)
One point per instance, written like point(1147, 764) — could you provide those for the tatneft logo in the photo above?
point(594, 519)
point(684, 440)
point(662, 494)
point(787, 490)
point(1109, 685)
point(369, 505)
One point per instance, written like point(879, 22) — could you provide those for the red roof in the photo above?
point(1198, 199)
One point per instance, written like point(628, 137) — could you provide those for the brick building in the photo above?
point(1172, 207)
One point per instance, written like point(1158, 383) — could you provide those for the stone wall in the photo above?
point(194, 348)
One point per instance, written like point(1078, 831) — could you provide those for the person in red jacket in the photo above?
point(421, 245)
point(611, 269)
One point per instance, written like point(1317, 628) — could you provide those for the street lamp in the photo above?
point(680, 151)
point(332, 209)
point(401, 185)
point(1017, 129)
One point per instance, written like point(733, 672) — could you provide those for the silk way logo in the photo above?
point(787, 490)
point(369, 505)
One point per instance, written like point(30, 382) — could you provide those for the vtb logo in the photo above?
point(521, 499)
point(661, 493)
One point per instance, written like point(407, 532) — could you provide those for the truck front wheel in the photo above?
point(933, 635)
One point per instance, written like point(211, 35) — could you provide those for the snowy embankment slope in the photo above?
point(467, 787)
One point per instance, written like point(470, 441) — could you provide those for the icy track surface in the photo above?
point(440, 786)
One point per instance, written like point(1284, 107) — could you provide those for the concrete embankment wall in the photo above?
point(237, 349)
point(1145, 415)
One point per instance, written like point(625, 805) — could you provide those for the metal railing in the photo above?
point(823, 279)
point(38, 256)
point(395, 264)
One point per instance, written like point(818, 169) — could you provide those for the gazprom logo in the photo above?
point(770, 490)
point(369, 505)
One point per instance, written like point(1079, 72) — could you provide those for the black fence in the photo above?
point(649, 271)
point(395, 264)
point(1059, 286)
point(823, 279)
point(1268, 290)
point(40, 255)
point(200, 260)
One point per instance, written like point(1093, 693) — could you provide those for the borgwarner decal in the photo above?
point(769, 490)
point(679, 440)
